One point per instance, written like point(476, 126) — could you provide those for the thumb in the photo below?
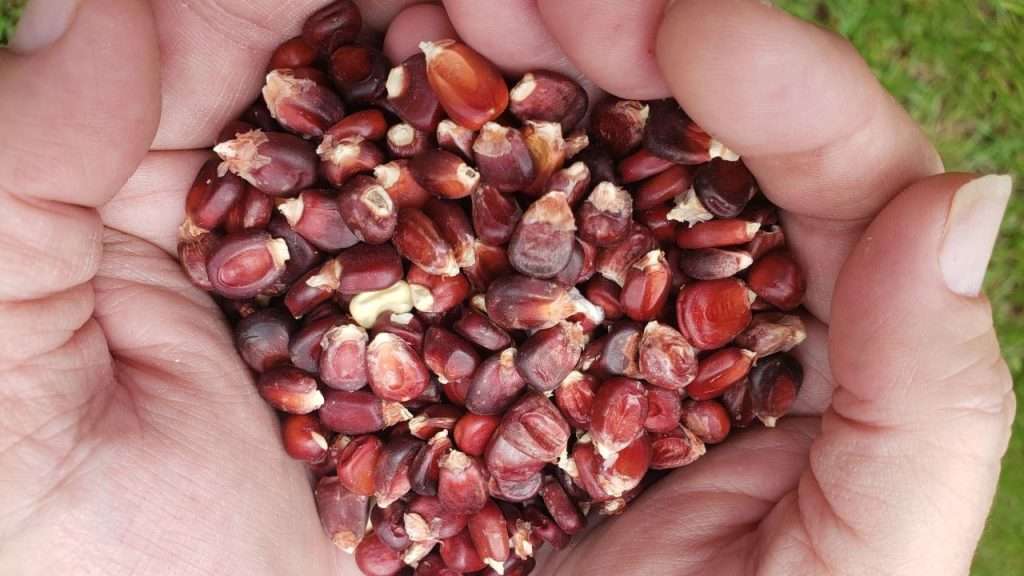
point(910, 452)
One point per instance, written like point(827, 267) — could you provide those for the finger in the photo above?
point(415, 24)
point(824, 139)
point(77, 117)
point(924, 402)
point(214, 54)
point(612, 43)
point(510, 33)
point(151, 205)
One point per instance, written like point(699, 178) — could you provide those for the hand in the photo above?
point(133, 441)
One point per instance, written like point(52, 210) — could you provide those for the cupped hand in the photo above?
point(132, 440)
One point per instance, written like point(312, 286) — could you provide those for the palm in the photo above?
point(151, 451)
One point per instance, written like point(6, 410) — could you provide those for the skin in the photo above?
point(132, 440)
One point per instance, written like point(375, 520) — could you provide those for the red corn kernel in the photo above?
point(449, 356)
point(211, 197)
point(444, 174)
point(293, 53)
point(478, 329)
point(707, 419)
point(343, 158)
point(719, 370)
point(343, 514)
point(710, 313)
point(367, 210)
point(495, 215)
point(523, 303)
point(315, 216)
point(605, 294)
point(599, 161)
point(724, 187)
point(544, 527)
point(262, 338)
point(675, 449)
point(618, 415)
point(618, 125)
point(535, 427)
point(305, 345)
point(469, 87)
point(767, 239)
point(455, 138)
point(473, 432)
point(573, 181)
point(433, 419)
point(367, 268)
point(457, 390)
point(303, 256)
point(418, 240)
point(606, 215)
point(300, 105)
point(581, 266)
point(462, 484)
point(490, 262)
point(620, 351)
point(389, 525)
point(625, 472)
point(495, 384)
point(404, 141)
point(713, 263)
point(739, 404)
point(657, 220)
point(502, 157)
point(276, 163)
point(316, 287)
point(394, 370)
point(770, 333)
point(425, 470)
point(436, 294)
point(583, 467)
point(774, 385)
point(343, 359)
point(514, 566)
point(777, 278)
point(575, 142)
point(333, 25)
point(454, 226)
point(672, 135)
point(246, 264)
point(290, 390)
point(548, 97)
point(663, 410)
point(369, 124)
point(716, 234)
point(547, 148)
point(410, 96)
point(194, 250)
point(391, 477)
point(514, 490)
point(357, 463)
point(489, 532)
point(542, 243)
point(663, 187)
point(641, 165)
point(404, 325)
point(397, 179)
point(614, 262)
point(575, 399)
point(359, 72)
point(646, 288)
point(359, 412)
point(251, 212)
point(426, 519)
point(562, 509)
point(666, 359)
point(433, 565)
point(375, 558)
point(460, 555)
point(549, 355)
point(303, 438)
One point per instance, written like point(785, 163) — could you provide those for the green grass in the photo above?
point(958, 66)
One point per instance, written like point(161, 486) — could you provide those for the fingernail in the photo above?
point(42, 23)
point(971, 230)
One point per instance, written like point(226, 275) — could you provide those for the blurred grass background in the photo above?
point(958, 67)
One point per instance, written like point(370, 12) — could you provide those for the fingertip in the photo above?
point(415, 24)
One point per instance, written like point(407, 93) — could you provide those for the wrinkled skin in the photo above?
point(132, 439)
